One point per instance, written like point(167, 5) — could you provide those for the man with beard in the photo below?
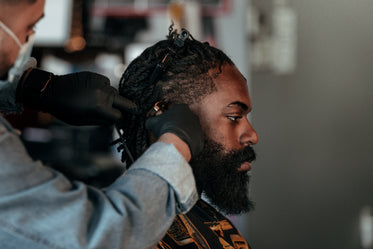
point(184, 73)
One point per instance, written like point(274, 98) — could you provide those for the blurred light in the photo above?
point(76, 43)
point(366, 227)
point(56, 65)
point(119, 70)
point(54, 28)
point(110, 65)
point(177, 11)
point(133, 50)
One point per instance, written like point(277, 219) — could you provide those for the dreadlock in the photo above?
point(185, 80)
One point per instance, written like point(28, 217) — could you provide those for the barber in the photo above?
point(82, 98)
point(40, 207)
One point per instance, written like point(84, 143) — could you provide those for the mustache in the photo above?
point(246, 154)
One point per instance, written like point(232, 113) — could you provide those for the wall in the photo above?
point(314, 171)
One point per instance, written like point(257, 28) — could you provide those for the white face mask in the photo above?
point(23, 62)
point(24, 54)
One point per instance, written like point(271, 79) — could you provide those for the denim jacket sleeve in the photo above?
point(41, 208)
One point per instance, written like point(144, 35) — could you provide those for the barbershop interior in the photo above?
point(308, 66)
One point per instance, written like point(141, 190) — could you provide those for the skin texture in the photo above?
point(223, 114)
point(21, 19)
point(179, 144)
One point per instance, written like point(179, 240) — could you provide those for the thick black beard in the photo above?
point(217, 176)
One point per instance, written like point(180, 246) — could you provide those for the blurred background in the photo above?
point(309, 69)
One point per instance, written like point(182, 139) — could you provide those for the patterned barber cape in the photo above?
point(203, 227)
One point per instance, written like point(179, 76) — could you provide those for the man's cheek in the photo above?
point(215, 136)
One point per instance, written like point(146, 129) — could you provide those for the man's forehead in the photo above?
point(228, 99)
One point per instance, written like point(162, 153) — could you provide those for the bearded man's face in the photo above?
point(222, 169)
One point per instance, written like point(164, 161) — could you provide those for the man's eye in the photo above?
point(234, 118)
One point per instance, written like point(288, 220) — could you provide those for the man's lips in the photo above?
point(245, 166)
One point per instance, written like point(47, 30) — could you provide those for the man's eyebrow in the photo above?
point(240, 104)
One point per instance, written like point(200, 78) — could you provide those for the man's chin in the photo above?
point(230, 194)
point(223, 177)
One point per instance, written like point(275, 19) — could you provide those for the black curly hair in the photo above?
point(185, 79)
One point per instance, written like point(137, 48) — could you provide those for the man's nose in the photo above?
point(248, 135)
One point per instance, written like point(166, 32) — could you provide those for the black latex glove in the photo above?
point(82, 98)
point(182, 122)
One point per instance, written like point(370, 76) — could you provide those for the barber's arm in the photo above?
point(41, 207)
point(82, 98)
